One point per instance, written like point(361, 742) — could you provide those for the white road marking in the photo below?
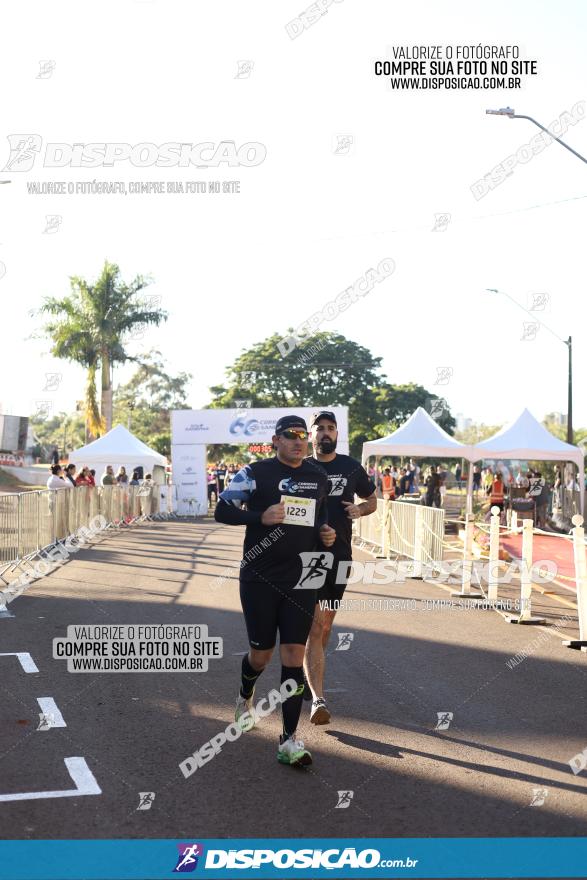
point(25, 660)
point(49, 708)
point(83, 779)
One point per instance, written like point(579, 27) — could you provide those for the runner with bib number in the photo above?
point(285, 516)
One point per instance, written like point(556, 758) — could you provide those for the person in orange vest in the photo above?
point(497, 493)
point(388, 485)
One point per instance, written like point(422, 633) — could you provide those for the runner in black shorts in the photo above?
point(346, 478)
point(285, 517)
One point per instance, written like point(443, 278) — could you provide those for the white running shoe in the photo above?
point(320, 713)
point(292, 751)
point(244, 714)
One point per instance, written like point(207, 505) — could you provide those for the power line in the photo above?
point(455, 220)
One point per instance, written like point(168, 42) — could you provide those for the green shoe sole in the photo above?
point(303, 759)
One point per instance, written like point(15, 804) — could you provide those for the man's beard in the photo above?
point(326, 445)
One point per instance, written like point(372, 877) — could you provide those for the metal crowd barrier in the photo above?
point(31, 522)
point(404, 528)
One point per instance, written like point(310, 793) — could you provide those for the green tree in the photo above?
point(326, 370)
point(63, 430)
point(397, 403)
point(147, 399)
point(91, 326)
point(475, 433)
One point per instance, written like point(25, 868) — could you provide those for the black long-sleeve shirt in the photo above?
point(272, 552)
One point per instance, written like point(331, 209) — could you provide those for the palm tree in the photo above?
point(72, 341)
point(91, 327)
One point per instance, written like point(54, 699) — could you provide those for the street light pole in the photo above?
point(568, 342)
point(511, 114)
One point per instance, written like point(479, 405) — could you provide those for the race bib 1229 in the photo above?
point(299, 511)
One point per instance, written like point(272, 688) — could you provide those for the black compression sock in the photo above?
point(292, 707)
point(249, 677)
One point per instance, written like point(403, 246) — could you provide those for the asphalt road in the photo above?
point(513, 730)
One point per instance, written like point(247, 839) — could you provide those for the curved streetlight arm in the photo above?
point(549, 133)
point(531, 314)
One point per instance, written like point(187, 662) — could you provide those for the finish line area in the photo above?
point(431, 728)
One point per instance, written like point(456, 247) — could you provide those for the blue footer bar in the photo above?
point(285, 858)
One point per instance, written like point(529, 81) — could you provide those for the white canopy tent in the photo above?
point(120, 447)
point(523, 439)
point(526, 439)
point(419, 437)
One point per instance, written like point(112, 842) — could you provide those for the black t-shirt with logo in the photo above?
point(346, 478)
point(271, 553)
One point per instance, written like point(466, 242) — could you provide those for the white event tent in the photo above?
point(419, 437)
point(119, 447)
point(523, 439)
point(526, 439)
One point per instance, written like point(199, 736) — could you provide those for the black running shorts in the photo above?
point(269, 609)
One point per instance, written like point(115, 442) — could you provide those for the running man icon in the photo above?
point(315, 567)
point(188, 857)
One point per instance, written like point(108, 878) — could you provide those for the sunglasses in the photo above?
point(294, 434)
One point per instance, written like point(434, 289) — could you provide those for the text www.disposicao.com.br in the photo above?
point(146, 664)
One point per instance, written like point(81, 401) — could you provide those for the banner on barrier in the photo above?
point(189, 477)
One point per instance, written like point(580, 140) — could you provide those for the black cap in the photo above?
point(287, 422)
point(323, 414)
